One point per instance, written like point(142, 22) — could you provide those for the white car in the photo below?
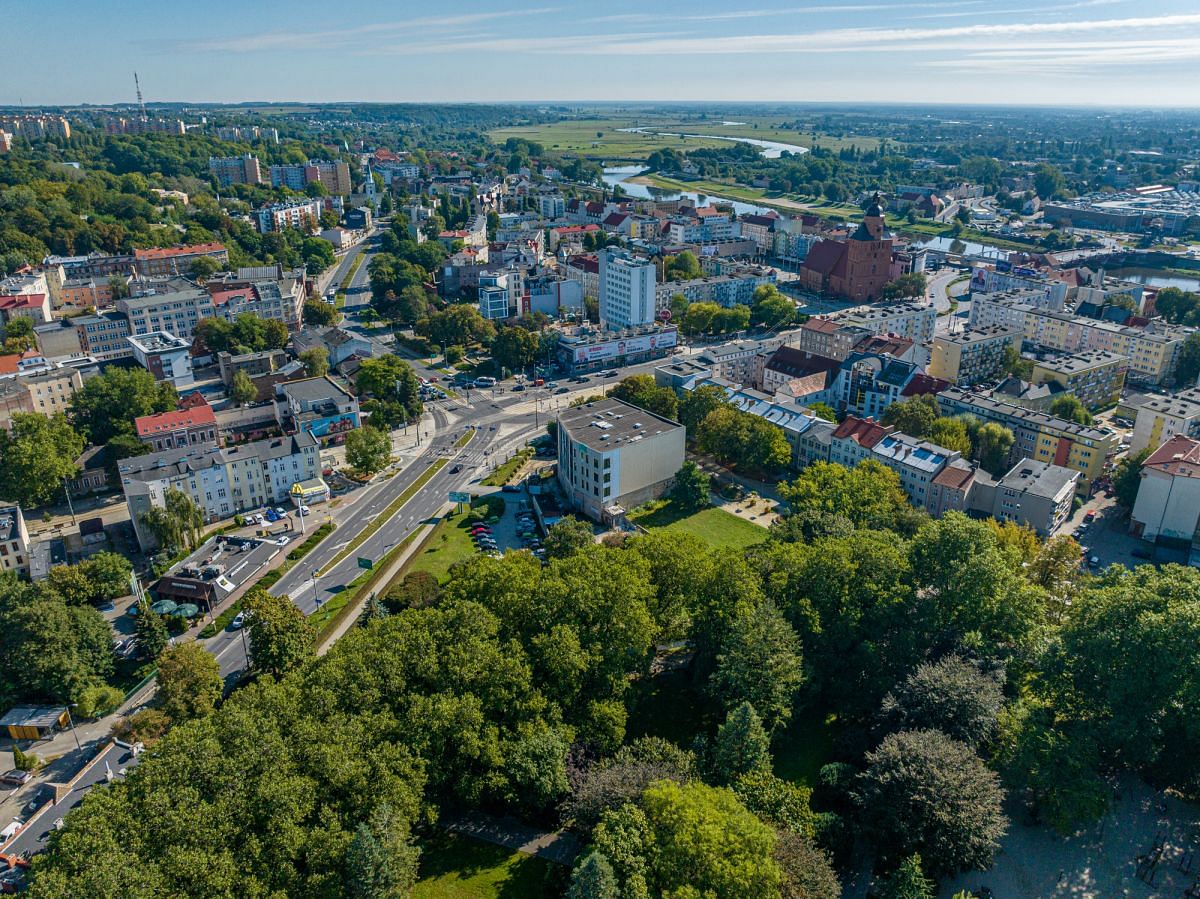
point(239, 621)
point(304, 510)
point(282, 540)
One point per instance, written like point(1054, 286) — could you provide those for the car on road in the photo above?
point(239, 621)
point(611, 374)
point(520, 388)
point(456, 469)
point(304, 510)
point(560, 390)
point(485, 382)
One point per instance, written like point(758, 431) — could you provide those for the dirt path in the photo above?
point(559, 847)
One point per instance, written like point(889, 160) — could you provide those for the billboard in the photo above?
point(457, 497)
point(626, 346)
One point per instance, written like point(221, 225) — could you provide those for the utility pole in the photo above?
point(70, 505)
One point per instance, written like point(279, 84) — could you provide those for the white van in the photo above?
point(485, 382)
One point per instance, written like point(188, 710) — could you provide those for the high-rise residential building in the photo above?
point(35, 127)
point(229, 170)
point(302, 214)
point(626, 290)
point(972, 356)
point(334, 175)
point(145, 126)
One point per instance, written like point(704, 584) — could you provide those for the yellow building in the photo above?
point(973, 356)
point(1096, 377)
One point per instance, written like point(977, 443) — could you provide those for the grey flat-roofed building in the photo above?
point(613, 456)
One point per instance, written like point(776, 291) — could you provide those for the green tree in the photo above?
point(682, 267)
point(696, 404)
point(908, 881)
point(741, 745)
point(381, 861)
point(98, 700)
point(691, 487)
point(806, 870)
point(319, 314)
point(107, 404)
point(1127, 479)
point(567, 536)
point(641, 391)
point(914, 416)
point(760, 664)
point(1187, 364)
point(281, 639)
point(316, 361)
point(1069, 407)
point(151, 634)
point(514, 348)
point(905, 287)
point(952, 434)
point(593, 878)
point(1048, 180)
point(1016, 364)
point(771, 307)
point(951, 695)
point(993, 442)
point(622, 777)
point(242, 390)
point(925, 792)
point(37, 455)
point(388, 377)
point(866, 496)
point(368, 449)
point(317, 254)
point(453, 354)
point(203, 268)
point(189, 681)
point(176, 524)
point(823, 410)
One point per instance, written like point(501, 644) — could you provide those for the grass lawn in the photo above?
point(458, 867)
point(503, 474)
point(339, 298)
point(601, 138)
point(715, 527)
point(450, 542)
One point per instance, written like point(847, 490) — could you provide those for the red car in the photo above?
point(1090, 516)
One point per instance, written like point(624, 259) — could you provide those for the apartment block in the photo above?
point(973, 356)
point(1096, 377)
point(167, 357)
point(195, 426)
point(1168, 500)
point(229, 170)
point(175, 311)
point(1159, 418)
point(334, 175)
point(1038, 435)
point(104, 336)
point(14, 541)
point(914, 321)
point(222, 481)
point(163, 261)
point(302, 214)
point(627, 290)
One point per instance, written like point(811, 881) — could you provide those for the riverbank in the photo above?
point(757, 196)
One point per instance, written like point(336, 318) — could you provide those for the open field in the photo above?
point(715, 527)
point(601, 138)
point(458, 867)
point(450, 542)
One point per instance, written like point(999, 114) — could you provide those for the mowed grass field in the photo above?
point(715, 527)
point(601, 138)
point(458, 867)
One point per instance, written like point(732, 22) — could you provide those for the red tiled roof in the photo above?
point(954, 476)
point(165, 422)
point(221, 297)
point(22, 301)
point(614, 219)
point(8, 364)
point(1178, 456)
point(922, 383)
point(168, 252)
point(192, 400)
point(575, 229)
point(710, 211)
point(820, 325)
point(866, 432)
point(825, 256)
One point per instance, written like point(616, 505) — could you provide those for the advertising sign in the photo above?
point(459, 497)
point(612, 349)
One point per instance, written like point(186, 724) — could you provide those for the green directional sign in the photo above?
point(365, 563)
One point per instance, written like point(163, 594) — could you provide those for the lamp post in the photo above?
point(71, 725)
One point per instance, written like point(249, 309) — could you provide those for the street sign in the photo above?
point(365, 563)
point(457, 496)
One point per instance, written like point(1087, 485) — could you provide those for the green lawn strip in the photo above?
point(339, 298)
point(268, 580)
point(449, 543)
point(504, 473)
point(383, 517)
point(714, 526)
point(454, 866)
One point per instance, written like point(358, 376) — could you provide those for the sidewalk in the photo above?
point(559, 847)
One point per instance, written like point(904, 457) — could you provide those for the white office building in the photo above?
point(626, 290)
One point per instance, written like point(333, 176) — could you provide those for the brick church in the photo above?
point(856, 268)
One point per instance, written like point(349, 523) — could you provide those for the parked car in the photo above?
point(510, 488)
point(304, 510)
point(1090, 516)
point(282, 540)
point(16, 777)
point(1141, 552)
point(239, 621)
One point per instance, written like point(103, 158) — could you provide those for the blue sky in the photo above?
point(1102, 52)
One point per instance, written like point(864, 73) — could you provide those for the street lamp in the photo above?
point(71, 725)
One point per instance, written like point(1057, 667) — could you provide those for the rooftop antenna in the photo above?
point(141, 103)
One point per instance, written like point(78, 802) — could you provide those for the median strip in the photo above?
point(394, 507)
point(339, 298)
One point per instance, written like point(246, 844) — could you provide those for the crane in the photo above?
point(141, 103)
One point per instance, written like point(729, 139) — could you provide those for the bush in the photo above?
point(25, 761)
point(145, 726)
point(98, 701)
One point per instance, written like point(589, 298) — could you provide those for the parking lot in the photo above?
point(514, 529)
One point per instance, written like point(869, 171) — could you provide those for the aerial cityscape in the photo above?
point(601, 452)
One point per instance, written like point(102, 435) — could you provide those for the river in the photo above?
point(772, 149)
point(620, 174)
point(1155, 278)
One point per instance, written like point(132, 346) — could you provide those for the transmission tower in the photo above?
point(141, 103)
